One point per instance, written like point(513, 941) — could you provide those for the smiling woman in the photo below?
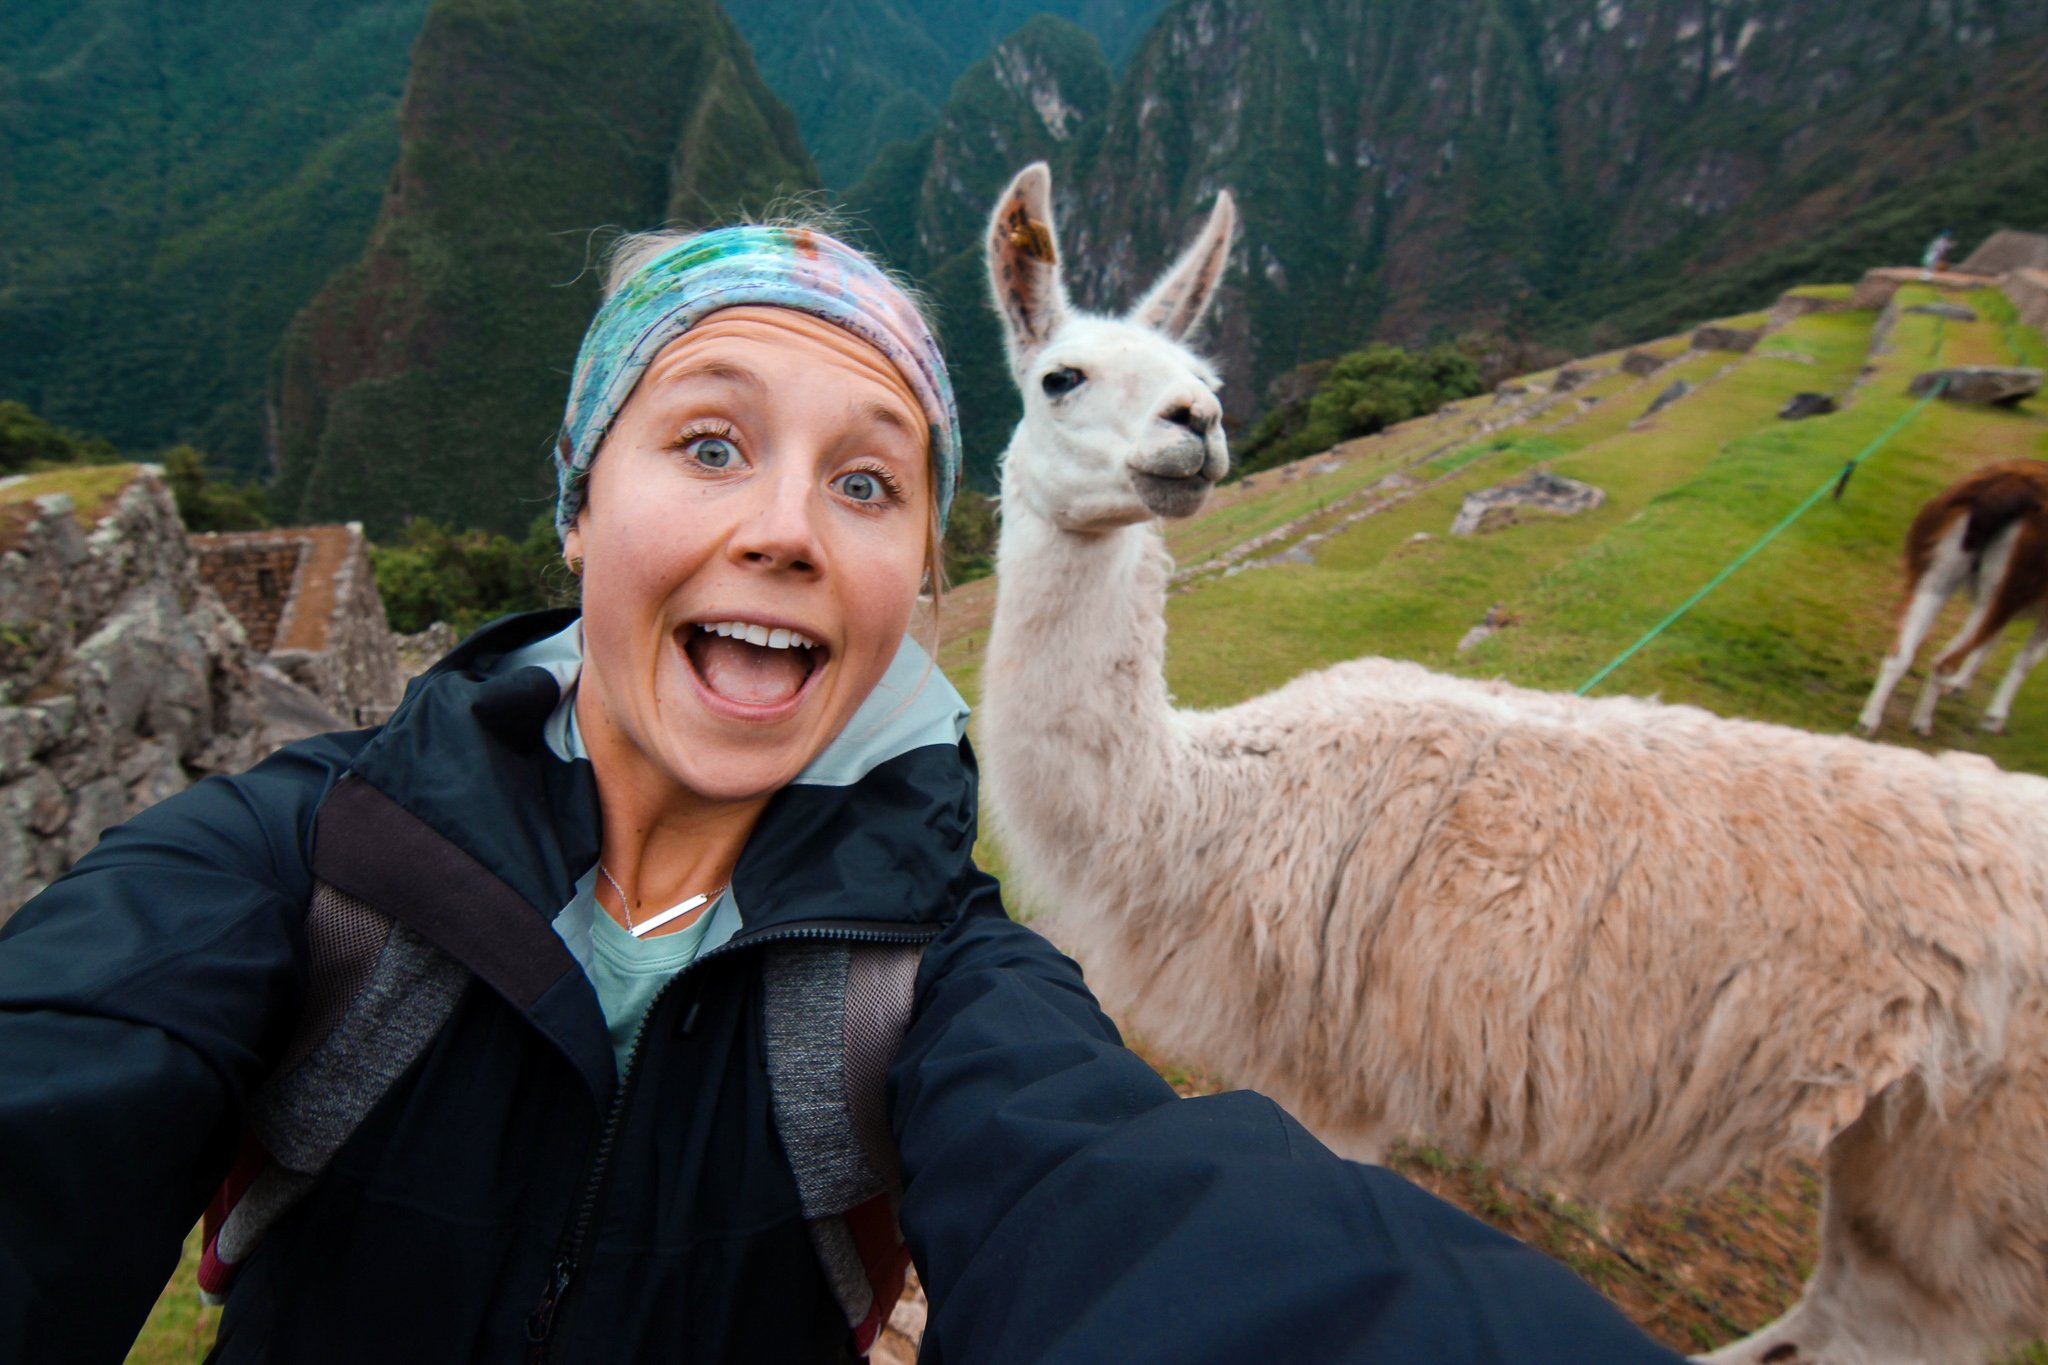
point(650, 889)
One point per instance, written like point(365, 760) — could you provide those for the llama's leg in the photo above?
point(2031, 653)
point(1962, 677)
point(1934, 1233)
point(1997, 604)
point(1939, 680)
point(1933, 590)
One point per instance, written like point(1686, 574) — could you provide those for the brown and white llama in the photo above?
point(1988, 533)
point(1629, 944)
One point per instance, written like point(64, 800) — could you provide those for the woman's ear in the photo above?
point(572, 546)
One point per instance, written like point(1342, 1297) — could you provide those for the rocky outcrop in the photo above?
point(123, 678)
point(1720, 338)
point(1803, 405)
point(1540, 489)
point(1990, 384)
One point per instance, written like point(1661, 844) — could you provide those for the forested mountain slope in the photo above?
point(175, 181)
point(428, 377)
point(861, 74)
point(1582, 170)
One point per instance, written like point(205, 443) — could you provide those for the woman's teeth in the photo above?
point(777, 638)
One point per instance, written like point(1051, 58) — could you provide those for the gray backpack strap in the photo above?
point(378, 994)
point(833, 1017)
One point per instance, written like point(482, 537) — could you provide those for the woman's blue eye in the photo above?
point(861, 487)
point(714, 452)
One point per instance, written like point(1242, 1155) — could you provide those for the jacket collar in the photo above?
point(879, 829)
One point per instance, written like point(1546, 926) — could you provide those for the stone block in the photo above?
point(1673, 391)
point(1718, 338)
point(1801, 405)
point(1954, 312)
point(1642, 363)
point(1987, 384)
point(1537, 489)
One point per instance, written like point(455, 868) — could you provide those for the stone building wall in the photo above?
point(253, 577)
point(322, 622)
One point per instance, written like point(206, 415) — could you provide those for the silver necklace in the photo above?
point(646, 927)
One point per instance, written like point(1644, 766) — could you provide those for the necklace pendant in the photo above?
point(648, 926)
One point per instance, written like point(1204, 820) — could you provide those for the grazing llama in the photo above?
point(1987, 532)
point(1630, 944)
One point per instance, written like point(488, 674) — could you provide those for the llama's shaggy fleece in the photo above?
point(1627, 943)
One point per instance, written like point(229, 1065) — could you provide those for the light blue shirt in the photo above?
point(912, 705)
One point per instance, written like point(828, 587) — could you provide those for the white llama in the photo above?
point(1629, 944)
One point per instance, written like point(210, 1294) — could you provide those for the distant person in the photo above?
point(617, 818)
point(1936, 255)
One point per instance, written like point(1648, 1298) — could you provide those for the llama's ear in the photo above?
point(1023, 264)
point(1177, 302)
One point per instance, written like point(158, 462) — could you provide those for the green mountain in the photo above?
point(175, 181)
point(1409, 170)
point(861, 74)
point(428, 377)
point(925, 201)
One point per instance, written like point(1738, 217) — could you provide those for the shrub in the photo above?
point(1363, 392)
point(437, 573)
point(205, 504)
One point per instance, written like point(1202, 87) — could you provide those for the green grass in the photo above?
point(91, 487)
point(180, 1329)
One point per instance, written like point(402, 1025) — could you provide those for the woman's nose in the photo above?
point(780, 528)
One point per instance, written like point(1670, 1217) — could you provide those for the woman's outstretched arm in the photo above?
point(142, 996)
point(1064, 1204)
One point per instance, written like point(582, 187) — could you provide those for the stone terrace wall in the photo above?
point(123, 679)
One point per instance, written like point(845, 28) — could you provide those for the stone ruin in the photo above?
point(308, 601)
point(125, 676)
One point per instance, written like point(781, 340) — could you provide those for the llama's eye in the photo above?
point(1064, 380)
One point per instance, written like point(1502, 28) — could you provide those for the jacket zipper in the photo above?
point(546, 1315)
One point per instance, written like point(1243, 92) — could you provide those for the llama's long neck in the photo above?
point(1075, 722)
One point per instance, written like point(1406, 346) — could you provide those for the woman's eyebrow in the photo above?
point(868, 410)
point(710, 367)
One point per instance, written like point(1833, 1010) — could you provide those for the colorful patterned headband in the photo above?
point(783, 267)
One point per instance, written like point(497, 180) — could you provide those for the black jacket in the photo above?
point(1060, 1201)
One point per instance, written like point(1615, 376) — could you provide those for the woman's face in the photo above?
point(753, 538)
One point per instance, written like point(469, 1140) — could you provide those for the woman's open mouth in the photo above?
point(754, 668)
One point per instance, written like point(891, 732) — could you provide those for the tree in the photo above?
point(207, 505)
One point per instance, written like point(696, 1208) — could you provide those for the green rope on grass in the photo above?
point(1836, 481)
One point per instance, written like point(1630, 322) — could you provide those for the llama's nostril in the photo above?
point(1186, 417)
